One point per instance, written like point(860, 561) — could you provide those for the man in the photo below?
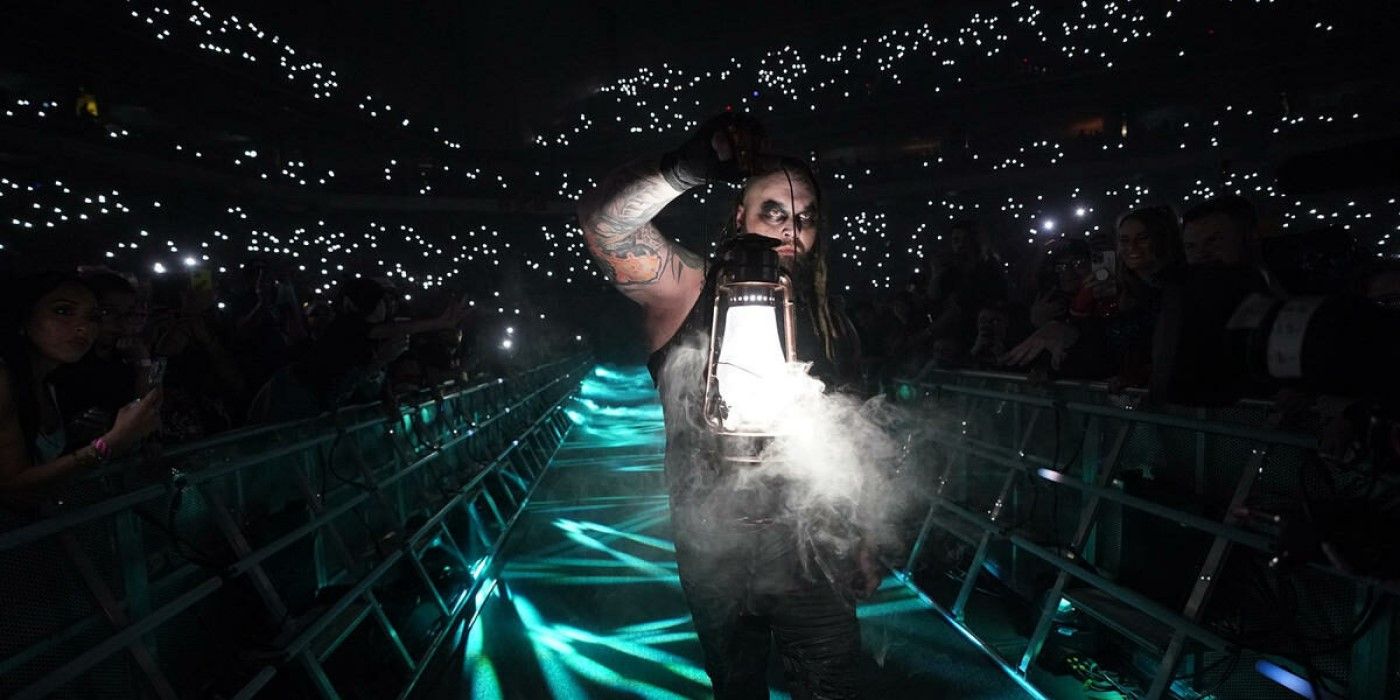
point(1223, 231)
point(745, 567)
point(1221, 244)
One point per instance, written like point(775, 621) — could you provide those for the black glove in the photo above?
point(697, 162)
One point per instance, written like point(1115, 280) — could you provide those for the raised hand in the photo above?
point(720, 149)
point(134, 421)
point(1055, 338)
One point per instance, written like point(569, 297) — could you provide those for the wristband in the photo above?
point(102, 449)
point(670, 170)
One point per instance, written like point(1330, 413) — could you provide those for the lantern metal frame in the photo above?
point(748, 267)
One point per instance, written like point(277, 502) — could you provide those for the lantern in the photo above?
point(752, 355)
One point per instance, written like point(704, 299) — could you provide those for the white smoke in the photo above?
point(841, 457)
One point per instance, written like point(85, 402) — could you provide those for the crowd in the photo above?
point(400, 165)
point(1088, 308)
point(97, 362)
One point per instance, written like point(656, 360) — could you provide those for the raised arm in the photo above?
point(18, 475)
point(637, 258)
point(645, 265)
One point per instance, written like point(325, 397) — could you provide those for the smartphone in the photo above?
point(202, 281)
point(155, 372)
point(1104, 267)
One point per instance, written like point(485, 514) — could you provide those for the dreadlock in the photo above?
point(797, 171)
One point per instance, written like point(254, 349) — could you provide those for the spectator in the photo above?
point(1110, 329)
point(1124, 307)
point(440, 355)
point(967, 276)
point(269, 322)
point(994, 323)
point(1221, 247)
point(946, 353)
point(92, 390)
point(869, 323)
point(348, 363)
point(1060, 275)
point(914, 297)
point(1322, 260)
point(319, 315)
point(1222, 232)
point(903, 348)
point(50, 320)
point(1381, 283)
point(204, 388)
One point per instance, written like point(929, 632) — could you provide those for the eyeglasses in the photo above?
point(1390, 301)
point(1071, 264)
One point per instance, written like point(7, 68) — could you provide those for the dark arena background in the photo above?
point(1124, 276)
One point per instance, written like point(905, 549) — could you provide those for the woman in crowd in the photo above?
point(1149, 251)
point(92, 390)
point(50, 320)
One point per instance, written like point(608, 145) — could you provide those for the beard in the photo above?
point(802, 268)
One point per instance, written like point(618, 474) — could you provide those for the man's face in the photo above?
point(788, 212)
point(959, 241)
point(379, 314)
point(1213, 240)
point(1070, 271)
point(992, 324)
point(118, 312)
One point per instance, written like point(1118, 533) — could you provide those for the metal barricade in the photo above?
point(214, 568)
point(1143, 524)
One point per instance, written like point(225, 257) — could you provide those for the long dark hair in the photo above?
point(798, 171)
point(15, 347)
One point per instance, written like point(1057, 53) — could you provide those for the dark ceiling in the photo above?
point(506, 68)
point(495, 74)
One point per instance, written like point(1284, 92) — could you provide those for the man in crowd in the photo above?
point(1223, 231)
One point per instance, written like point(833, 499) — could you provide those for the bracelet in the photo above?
point(102, 449)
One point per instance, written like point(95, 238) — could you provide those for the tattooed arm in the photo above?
point(645, 265)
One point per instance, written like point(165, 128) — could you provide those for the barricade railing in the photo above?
point(217, 566)
point(1156, 497)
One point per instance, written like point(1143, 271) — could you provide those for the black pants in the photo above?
point(746, 587)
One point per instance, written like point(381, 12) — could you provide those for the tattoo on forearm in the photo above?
point(618, 230)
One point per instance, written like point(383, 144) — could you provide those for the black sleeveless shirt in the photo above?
point(693, 474)
point(842, 371)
